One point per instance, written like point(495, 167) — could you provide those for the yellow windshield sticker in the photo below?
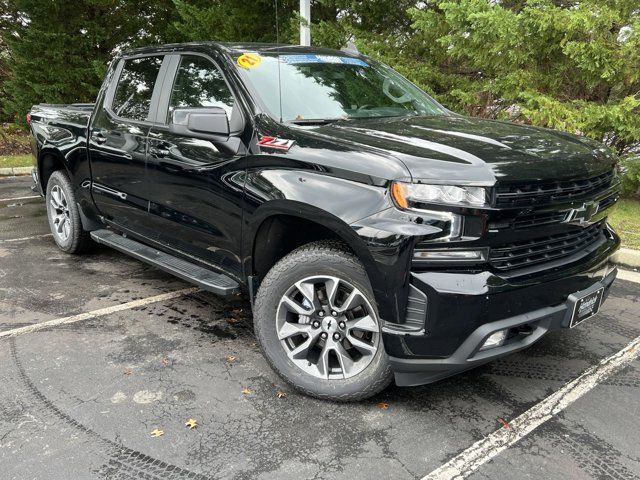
point(249, 60)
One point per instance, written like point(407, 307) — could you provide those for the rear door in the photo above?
point(118, 141)
point(196, 180)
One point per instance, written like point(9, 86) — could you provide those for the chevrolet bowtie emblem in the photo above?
point(583, 214)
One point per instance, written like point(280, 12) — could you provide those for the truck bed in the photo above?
point(59, 131)
point(60, 127)
point(74, 114)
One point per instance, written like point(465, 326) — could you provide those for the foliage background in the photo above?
point(573, 66)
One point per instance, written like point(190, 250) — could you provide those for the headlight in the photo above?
point(411, 195)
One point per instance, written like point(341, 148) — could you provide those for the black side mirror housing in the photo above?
point(207, 121)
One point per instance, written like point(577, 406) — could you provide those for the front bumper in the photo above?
point(464, 308)
point(409, 372)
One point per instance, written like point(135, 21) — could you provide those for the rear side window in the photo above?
point(132, 98)
point(199, 84)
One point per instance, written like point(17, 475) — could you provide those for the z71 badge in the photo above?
point(275, 143)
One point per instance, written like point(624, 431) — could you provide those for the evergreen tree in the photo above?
point(233, 20)
point(6, 20)
point(335, 23)
point(60, 49)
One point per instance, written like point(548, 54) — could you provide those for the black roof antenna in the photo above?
point(278, 57)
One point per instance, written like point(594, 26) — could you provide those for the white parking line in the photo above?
point(14, 199)
point(484, 450)
point(26, 238)
point(98, 313)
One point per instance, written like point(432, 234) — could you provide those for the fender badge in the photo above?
point(275, 143)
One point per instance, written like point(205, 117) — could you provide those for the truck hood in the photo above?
point(463, 149)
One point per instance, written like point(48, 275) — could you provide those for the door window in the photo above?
point(199, 83)
point(132, 98)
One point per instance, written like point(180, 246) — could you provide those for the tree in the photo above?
point(60, 49)
point(6, 20)
point(573, 66)
point(233, 20)
point(568, 65)
point(334, 23)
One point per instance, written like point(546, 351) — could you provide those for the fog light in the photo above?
point(495, 340)
point(449, 255)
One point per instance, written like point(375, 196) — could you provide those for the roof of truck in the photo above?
point(237, 47)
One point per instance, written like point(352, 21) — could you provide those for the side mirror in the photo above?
point(209, 121)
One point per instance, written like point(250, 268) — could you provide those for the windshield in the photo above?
point(331, 87)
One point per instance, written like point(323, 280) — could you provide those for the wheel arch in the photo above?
point(49, 161)
point(282, 228)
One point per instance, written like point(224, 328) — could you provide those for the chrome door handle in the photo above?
point(159, 152)
point(99, 138)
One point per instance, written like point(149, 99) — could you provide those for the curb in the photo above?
point(627, 257)
point(13, 171)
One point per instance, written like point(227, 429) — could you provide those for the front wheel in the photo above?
point(318, 327)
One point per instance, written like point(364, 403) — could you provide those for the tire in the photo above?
point(350, 366)
point(64, 216)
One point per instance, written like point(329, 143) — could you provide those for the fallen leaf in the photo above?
point(281, 394)
point(504, 423)
point(246, 391)
point(157, 433)
point(127, 371)
point(191, 423)
point(233, 321)
point(230, 358)
point(383, 405)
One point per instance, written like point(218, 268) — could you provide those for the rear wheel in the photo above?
point(317, 324)
point(64, 216)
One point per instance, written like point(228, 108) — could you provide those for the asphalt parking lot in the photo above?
point(80, 399)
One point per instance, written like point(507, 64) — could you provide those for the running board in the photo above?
point(205, 279)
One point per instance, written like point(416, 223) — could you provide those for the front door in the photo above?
point(196, 180)
point(118, 142)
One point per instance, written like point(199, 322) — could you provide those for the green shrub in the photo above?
point(630, 177)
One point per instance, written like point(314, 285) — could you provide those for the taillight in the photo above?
point(28, 118)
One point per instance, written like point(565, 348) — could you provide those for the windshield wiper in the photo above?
point(314, 121)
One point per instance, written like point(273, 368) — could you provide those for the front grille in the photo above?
point(607, 202)
point(515, 195)
point(543, 249)
point(529, 220)
point(535, 220)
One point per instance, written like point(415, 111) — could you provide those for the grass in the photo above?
point(15, 146)
point(625, 219)
point(15, 161)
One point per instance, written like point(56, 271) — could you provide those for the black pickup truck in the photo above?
point(377, 234)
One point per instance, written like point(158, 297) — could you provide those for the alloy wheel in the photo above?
point(327, 327)
point(59, 214)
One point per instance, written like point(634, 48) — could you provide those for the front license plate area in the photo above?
point(586, 307)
